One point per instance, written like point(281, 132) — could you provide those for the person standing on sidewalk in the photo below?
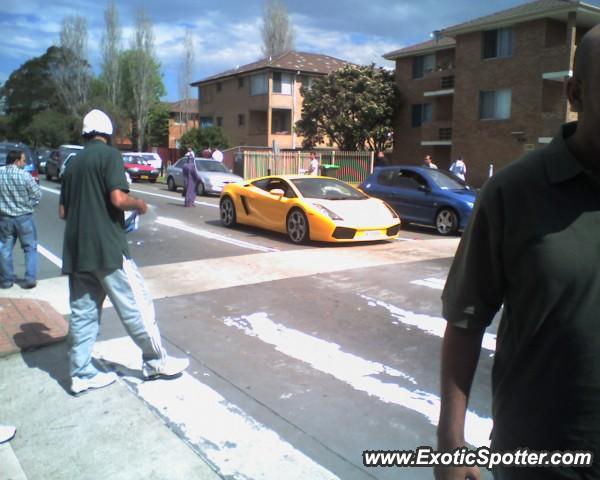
point(532, 247)
point(96, 257)
point(19, 194)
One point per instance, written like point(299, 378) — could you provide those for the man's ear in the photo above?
point(575, 94)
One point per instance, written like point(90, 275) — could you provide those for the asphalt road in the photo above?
point(302, 356)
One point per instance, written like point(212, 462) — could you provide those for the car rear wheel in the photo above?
point(227, 210)
point(200, 190)
point(171, 184)
point(297, 226)
point(446, 222)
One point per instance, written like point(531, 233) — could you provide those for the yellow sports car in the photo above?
point(308, 208)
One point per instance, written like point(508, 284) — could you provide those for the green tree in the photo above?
point(50, 129)
point(353, 108)
point(158, 125)
point(28, 91)
point(202, 138)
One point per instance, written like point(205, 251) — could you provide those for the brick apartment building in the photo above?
point(259, 103)
point(491, 88)
point(183, 116)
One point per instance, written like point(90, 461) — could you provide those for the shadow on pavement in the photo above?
point(51, 358)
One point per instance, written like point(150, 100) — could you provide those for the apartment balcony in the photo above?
point(555, 63)
point(437, 133)
point(439, 85)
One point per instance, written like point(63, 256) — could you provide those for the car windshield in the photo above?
point(148, 158)
point(210, 166)
point(7, 147)
point(327, 189)
point(445, 180)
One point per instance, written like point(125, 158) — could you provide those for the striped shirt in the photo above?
point(19, 192)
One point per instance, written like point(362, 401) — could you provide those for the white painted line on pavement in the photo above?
point(360, 374)
point(50, 256)
point(50, 190)
point(173, 223)
point(431, 325)
point(435, 283)
point(171, 197)
point(237, 445)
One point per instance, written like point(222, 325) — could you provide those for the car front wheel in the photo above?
point(297, 226)
point(446, 222)
point(171, 184)
point(227, 210)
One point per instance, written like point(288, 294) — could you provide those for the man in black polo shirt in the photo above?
point(96, 257)
point(533, 245)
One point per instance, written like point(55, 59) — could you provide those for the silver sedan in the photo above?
point(212, 173)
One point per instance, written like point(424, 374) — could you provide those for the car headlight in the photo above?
point(323, 209)
point(469, 204)
point(134, 170)
point(154, 172)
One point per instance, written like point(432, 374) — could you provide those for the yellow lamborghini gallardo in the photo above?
point(308, 208)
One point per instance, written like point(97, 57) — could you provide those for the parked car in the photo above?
point(308, 208)
point(61, 172)
point(54, 163)
point(139, 169)
point(214, 176)
point(30, 166)
point(423, 195)
point(152, 158)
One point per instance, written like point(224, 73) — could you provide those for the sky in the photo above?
point(226, 33)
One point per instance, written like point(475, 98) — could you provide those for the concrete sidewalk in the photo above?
point(108, 433)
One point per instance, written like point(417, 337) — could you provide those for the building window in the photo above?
point(498, 43)
point(282, 83)
point(241, 82)
point(219, 121)
point(241, 120)
point(421, 113)
point(423, 65)
point(494, 105)
point(206, 121)
point(258, 84)
point(219, 86)
point(281, 121)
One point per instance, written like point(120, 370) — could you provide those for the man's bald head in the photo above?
point(587, 54)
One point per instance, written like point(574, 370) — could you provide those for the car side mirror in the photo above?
point(277, 191)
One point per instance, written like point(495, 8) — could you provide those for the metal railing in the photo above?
point(354, 167)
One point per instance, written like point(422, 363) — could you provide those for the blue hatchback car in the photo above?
point(423, 195)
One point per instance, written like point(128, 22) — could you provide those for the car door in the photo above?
point(177, 172)
point(270, 210)
point(413, 191)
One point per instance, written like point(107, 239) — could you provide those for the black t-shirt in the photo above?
point(533, 246)
point(94, 236)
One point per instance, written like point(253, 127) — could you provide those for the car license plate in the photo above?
point(144, 177)
point(373, 234)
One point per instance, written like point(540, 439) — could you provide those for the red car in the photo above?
point(139, 169)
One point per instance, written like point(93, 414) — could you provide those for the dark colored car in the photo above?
point(423, 195)
point(30, 166)
point(139, 169)
point(54, 162)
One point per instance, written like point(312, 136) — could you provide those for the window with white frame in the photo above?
point(282, 83)
point(498, 43)
point(259, 84)
point(495, 104)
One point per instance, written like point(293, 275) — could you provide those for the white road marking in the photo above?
point(173, 223)
point(355, 371)
point(426, 323)
point(237, 445)
point(50, 190)
point(435, 283)
point(50, 256)
point(171, 197)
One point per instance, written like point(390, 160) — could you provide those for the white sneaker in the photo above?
point(165, 368)
point(101, 380)
point(7, 432)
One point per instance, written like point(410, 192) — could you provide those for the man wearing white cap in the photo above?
point(96, 257)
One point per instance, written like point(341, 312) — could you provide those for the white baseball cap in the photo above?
point(96, 121)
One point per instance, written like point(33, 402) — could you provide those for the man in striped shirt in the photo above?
point(19, 194)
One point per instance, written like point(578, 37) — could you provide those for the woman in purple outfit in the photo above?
point(190, 176)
